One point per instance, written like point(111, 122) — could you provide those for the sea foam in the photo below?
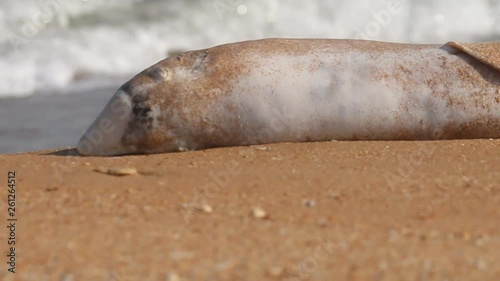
point(54, 45)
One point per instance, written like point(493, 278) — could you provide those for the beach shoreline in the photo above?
point(50, 121)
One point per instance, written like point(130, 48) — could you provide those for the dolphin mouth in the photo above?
point(104, 136)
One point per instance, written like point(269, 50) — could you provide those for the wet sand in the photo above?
point(49, 121)
point(310, 211)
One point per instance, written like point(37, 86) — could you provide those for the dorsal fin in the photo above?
point(487, 53)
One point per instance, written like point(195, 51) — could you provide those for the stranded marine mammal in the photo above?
point(296, 90)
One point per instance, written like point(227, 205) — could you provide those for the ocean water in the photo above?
point(60, 60)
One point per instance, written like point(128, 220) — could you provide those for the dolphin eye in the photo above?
point(159, 73)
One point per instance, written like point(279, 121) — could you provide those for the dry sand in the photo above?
point(313, 211)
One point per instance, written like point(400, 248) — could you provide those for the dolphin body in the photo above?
point(297, 90)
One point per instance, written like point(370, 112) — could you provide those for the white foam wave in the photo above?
point(47, 46)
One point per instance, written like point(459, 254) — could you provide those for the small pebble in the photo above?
point(261, 147)
point(467, 181)
point(309, 203)
point(206, 208)
point(259, 213)
point(116, 171)
point(333, 195)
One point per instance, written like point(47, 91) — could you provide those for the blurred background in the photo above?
point(61, 60)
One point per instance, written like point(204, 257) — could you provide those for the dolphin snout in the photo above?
point(104, 136)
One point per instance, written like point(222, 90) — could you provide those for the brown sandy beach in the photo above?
point(312, 211)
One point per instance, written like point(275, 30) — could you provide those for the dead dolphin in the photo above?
point(297, 90)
